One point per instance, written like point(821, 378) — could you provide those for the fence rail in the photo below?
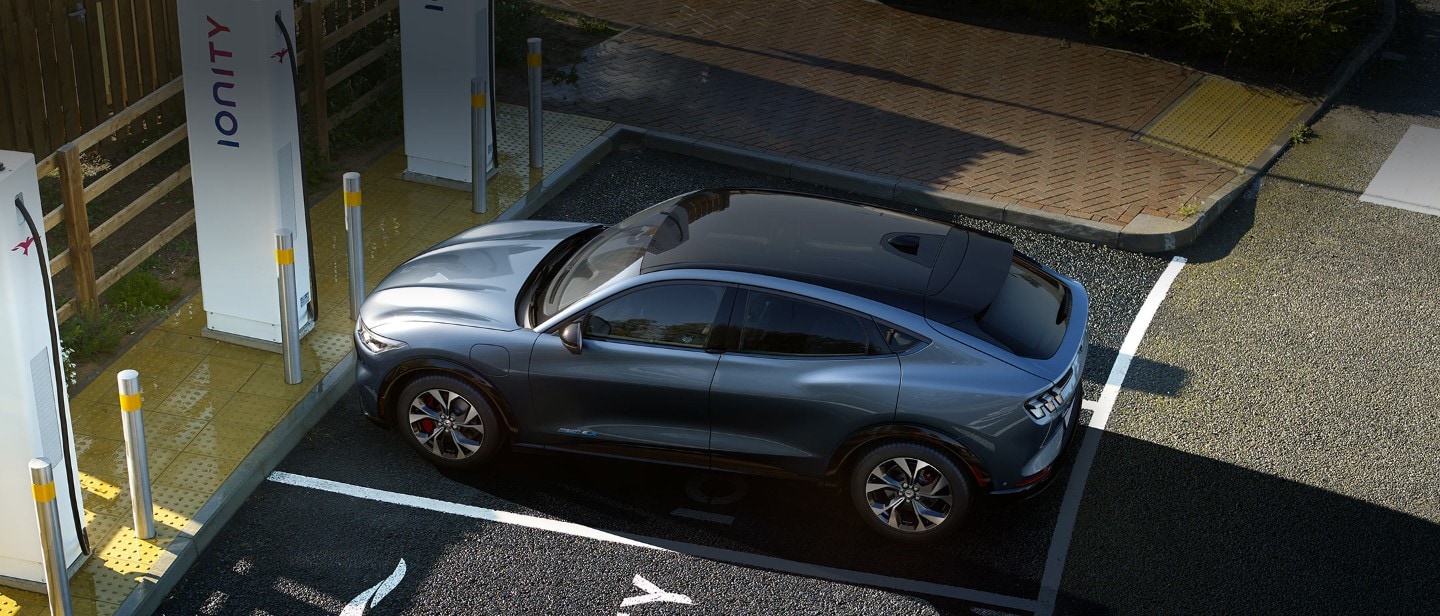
point(125, 75)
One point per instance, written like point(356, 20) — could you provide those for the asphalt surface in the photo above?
point(1277, 451)
point(305, 548)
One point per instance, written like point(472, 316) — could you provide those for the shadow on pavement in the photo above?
point(633, 83)
point(1162, 531)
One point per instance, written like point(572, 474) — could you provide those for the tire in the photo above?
point(910, 492)
point(447, 420)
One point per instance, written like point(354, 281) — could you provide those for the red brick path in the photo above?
point(1019, 119)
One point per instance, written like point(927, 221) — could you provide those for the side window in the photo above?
point(670, 314)
point(779, 325)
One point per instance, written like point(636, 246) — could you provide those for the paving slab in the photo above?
point(1076, 140)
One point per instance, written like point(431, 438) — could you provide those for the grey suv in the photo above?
point(917, 363)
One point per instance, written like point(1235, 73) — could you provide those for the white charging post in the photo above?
point(244, 161)
point(34, 416)
point(444, 44)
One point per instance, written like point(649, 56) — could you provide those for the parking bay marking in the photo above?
point(1075, 489)
point(698, 551)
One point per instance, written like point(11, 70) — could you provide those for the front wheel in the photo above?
point(448, 421)
point(909, 492)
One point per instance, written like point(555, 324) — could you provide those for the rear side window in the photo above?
point(673, 315)
point(779, 325)
point(1029, 314)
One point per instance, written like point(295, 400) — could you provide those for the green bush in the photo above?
point(512, 22)
point(1269, 34)
point(1297, 34)
point(140, 292)
point(90, 334)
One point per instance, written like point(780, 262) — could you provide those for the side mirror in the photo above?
point(570, 337)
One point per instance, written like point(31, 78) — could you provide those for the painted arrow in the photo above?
point(655, 595)
point(359, 605)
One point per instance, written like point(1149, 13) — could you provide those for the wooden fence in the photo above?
point(71, 64)
point(321, 27)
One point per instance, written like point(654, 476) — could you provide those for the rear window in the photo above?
point(1029, 314)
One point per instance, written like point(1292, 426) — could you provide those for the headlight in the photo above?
point(374, 342)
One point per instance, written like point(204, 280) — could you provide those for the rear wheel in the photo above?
point(448, 421)
point(910, 492)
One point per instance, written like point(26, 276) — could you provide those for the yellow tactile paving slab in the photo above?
point(1224, 122)
point(207, 403)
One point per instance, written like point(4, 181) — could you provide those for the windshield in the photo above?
point(609, 258)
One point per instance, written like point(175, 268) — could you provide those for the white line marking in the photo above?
point(718, 518)
point(368, 599)
point(699, 551)
point(1075, 489)
point(1090, 405)
point(653, 594)
point(469, 511)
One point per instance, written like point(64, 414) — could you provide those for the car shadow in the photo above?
point(1160, 531)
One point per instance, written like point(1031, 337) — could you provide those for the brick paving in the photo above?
point(1023, 120)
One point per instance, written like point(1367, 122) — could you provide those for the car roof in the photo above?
point(943, 271)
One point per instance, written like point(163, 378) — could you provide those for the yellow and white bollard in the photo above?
point(136, 461)
point(355, 243)
point(57, 582)
point(479, 130)
point(289, 315)
point(537, 126)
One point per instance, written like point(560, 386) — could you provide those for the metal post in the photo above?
point(356, 244)
point(136, 460)
point(289, 315)
point(479, 130)
point(52, 545)
point(537, 124)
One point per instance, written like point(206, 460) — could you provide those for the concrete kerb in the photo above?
point(563, 177)
point(1148, 233)
point(227, 499)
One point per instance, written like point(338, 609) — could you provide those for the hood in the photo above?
point(471, 279)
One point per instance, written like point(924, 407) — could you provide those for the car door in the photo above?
point(640, 385)
point(799, 378)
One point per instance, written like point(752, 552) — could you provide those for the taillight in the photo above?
point(1054, 399)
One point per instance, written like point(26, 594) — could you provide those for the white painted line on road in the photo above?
point(744, 559)
point(718, 518)
point(1075, 489)
point(1090, 405)
point(469, 511)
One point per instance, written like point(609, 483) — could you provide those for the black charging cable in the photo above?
point(61, 402)
point(314, 306)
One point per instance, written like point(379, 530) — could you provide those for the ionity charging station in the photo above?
point(244, 138)
point(443, 45)
point(34, 406)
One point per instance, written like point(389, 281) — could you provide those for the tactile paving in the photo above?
point(1224, 122)
point(196, 472)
